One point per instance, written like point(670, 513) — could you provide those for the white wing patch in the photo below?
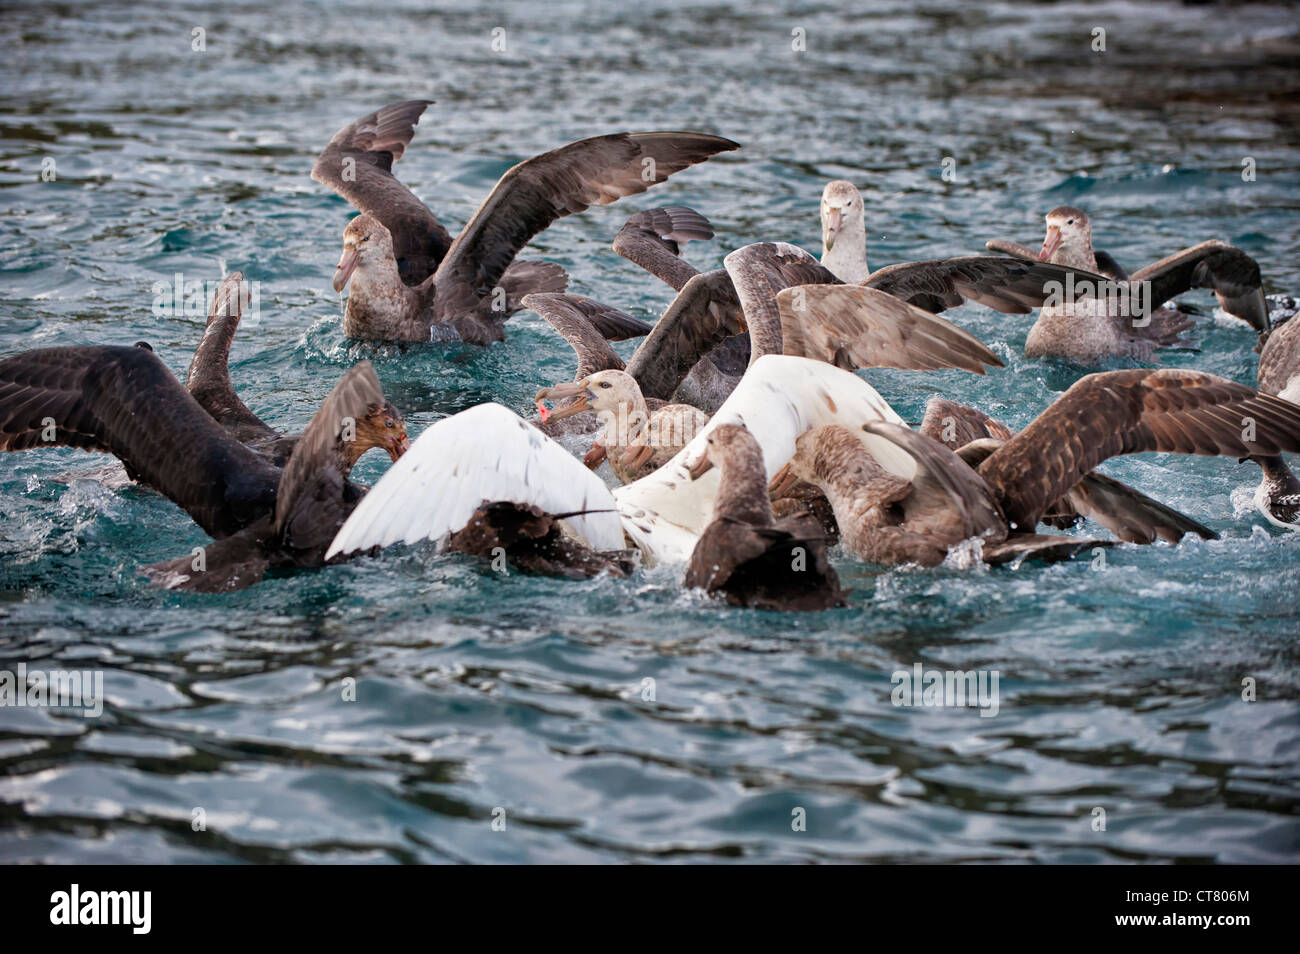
point(486, 454)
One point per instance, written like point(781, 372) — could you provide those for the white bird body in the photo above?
point(779, 398)
point(489, 454)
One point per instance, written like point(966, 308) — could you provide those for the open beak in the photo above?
point(834, 221)
point(347, 265)
point(782, 482)
point(700, 467)
point(1051, 242)
point(399, 446)
point(638, 455)
point(560, 392)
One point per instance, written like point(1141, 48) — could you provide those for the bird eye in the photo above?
point(389, 423)
point(1069, 222)
point(366, 239)
point(605, 384)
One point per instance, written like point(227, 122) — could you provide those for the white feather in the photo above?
point(484, 455)
point(779, 398)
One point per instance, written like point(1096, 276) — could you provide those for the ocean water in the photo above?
point(518, 719)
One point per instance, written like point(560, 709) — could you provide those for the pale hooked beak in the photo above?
point(834, 221)
point(399, 446)
point(575, 389)
point(700, 467)
point(782, 482)
point(1051, 242)
point(347, 265)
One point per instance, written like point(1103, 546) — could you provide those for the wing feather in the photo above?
point(486, 454)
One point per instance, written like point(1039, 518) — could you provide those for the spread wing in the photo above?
point(1014, 249)
point(1229, 272)
point(651, 239)
point(1009, 285)
point(852, 326)
point(536, 192)
point(484, 455)
point(126, 402)
point(703, 315)
point(209, 375)
point(1132, 412)
point(358, 165)
point(573, 316)
point(309, 504)
point(761, 270)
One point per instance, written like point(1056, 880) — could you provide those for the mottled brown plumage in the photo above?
point(998, 490)
point(393, 300)
point(1124, 326)
point(1131, 412)
point(358, 165)
point(124, 401)
point(652, 239)
point(535, 542)
point(637, 438)
point(745, 554)
point(1279, 374)
point(1128, 513)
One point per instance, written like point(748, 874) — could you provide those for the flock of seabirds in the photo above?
point(743, 443)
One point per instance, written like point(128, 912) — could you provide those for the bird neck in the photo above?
point(847, 258)
point(1074, 256)
point(742, 489)
point(630, 420)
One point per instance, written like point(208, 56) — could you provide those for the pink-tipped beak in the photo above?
point(347, 265)
point(399, 447)
point(834, 221)
point(1051, 242)
point(577, 390)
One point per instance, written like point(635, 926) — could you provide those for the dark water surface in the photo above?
point(1120, 688)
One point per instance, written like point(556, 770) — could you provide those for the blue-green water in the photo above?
point(1120, 687)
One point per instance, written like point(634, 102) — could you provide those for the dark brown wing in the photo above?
point(311, 501)
point(1130, 514)
point(1133, 412)
point(1039, 548)
point(1009, 285)
point(209, 375)
point(1229, 272)
point(536, 192)
point(761, 270)
point(702, 316)
point(1107, 265)
point(572, 317)
point(852, 326)
point(125, 402)
point(358, 165)
point(650, 239)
